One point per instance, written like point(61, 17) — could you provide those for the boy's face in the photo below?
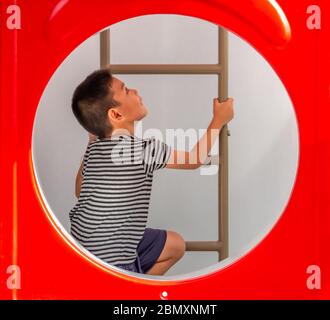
point(131, 106)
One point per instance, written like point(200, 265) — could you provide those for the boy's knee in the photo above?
point(179, 244)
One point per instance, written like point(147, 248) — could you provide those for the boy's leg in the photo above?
point(173, 251)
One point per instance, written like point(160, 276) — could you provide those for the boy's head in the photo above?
point(103, 103)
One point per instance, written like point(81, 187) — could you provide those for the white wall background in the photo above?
point(263, 147)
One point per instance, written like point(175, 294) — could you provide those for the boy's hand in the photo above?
point(223, 111)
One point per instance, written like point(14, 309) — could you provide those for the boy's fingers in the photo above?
point(229, 99)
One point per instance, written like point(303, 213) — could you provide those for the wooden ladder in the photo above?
point(221, 70)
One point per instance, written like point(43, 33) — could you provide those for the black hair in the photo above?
point(92, 100)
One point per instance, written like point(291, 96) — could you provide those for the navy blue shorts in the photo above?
point(148, 251)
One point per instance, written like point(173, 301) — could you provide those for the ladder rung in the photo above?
point(203, 245)
point(165, 68)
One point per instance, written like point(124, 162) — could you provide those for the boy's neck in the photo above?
point(124, 130)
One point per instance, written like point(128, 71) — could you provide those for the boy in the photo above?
point(114, 181)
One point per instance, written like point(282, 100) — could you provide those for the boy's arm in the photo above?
point(190, 160)
point(79, 177)
point(222, 114)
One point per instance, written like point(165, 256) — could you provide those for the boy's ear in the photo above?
point(114, 115)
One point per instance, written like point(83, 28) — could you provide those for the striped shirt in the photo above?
point(111, 213)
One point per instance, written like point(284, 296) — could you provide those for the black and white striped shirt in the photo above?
point(111, 214)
